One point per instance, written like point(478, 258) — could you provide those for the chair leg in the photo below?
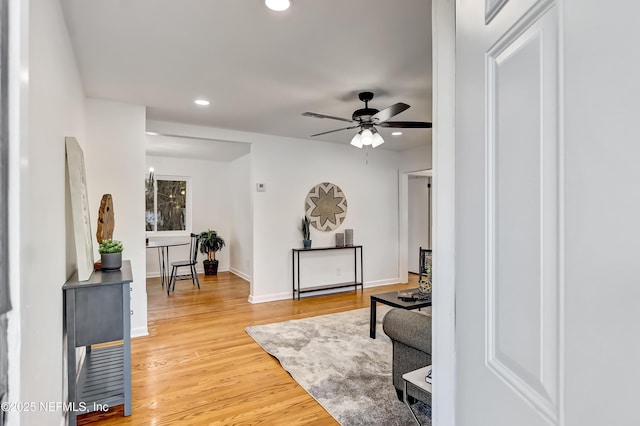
point(193, 282)
point(172, 280)
point(195, 274)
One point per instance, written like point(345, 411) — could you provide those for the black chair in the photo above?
point(191, 263)
point(425, 255)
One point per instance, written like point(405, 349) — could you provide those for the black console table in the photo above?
point(297, 289)
point(98, 311)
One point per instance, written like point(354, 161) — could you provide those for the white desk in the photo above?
point(163, 257)
point(417, 379)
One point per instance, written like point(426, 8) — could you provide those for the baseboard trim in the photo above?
point(269, 297)
point(199, 270)
point(241, 274)
point(379, 283)
point(283, 296)
point(139, 332)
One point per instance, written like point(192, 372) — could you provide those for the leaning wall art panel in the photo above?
point(326, 206)
point(80, 208)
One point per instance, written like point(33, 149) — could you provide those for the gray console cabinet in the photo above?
point(98, 311)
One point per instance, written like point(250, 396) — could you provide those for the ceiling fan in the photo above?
point(367, 119)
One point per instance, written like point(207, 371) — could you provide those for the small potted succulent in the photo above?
point(111, 254)
point(210, 243)
point(306, 233)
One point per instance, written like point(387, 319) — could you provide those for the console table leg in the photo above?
point(293, 274)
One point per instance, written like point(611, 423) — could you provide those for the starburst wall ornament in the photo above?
point(326, 206)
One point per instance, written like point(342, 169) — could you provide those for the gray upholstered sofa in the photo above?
point(410, 333)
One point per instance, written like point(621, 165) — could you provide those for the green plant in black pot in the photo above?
point(210, 243)
point(306, 232)
point(110, 255)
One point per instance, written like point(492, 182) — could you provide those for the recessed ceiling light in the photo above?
point(201, 102)
point(396, 133)
point(278, 5)
point(152, 133)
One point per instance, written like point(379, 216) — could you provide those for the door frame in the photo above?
point(443, 195)
point(403, 228)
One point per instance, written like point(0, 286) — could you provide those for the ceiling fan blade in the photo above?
point(406, 124)
point(316, 115)
point(337, 130)
point(389, 112)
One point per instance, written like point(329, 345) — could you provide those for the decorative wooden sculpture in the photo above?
point(106, 220)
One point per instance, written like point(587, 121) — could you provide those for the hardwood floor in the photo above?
point(199, 367)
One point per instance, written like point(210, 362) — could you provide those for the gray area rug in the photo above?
point(335, 361)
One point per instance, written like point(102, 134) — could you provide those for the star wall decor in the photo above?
point(326, 206)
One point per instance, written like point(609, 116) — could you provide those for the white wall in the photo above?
point(43, 252)
point(41, 255)
point(410, 161)
point(210, 189)
point(418, 219)
point(416, 159)
point(241, 212)
point(290, 168)
point(114, 160)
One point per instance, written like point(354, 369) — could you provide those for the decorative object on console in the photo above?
point(210, 243)
point(110, 255)
point(348, 237)
point(306, 233)
point(326, 206)
point(106, 219)
point(339, 239)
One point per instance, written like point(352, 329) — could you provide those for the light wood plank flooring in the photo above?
point(199, 367)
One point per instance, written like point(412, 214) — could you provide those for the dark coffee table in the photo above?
point(392, 299)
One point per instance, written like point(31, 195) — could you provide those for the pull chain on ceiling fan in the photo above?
point(368, 118)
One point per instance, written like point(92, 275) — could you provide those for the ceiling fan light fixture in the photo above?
point(366, 137)
point(278, 5)
point(377, 140)
point(357, 140)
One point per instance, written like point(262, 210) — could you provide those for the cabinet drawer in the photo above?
point(98, 314)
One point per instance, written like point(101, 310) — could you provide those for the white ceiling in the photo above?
point(194, 148)
point(260, 69)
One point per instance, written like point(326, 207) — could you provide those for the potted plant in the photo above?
point(110, 255)
point(210, 243)
point(306, 233)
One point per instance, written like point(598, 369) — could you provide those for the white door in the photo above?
point(547, 203)
point(507, 203)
